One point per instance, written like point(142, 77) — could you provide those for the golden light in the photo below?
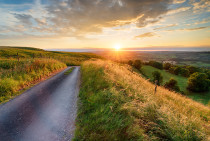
point(117, 47)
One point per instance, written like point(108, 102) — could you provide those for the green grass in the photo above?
point(15, 76)
point(182, 83)
point(70, 58)
point(69, 71)
point(116, 104)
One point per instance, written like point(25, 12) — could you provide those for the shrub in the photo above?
point(130, 62)
point(184, 72)
point(156, 64)
point(172, 85)
point(137, 64)
point(198, 82)
point(157, 76)
point(167, 66)
point(192, 69)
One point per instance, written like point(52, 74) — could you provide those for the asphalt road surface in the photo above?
point(46, 112)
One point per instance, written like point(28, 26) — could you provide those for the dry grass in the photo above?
point(162, 116)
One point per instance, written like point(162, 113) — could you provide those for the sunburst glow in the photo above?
point(117, 47)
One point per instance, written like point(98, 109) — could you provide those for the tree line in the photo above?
point(198, 78)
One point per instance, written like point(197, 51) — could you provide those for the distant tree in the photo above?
point(137, 64)
point(192, 69)
point(184, 72)
point(167, 66)
point(130, 62)
point(155, 64)
point(157, 76)
point(177, 70)
point(172, 85)
point(171, 70)
point(198, 82)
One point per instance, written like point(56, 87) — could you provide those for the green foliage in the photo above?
point(172, 85)
point(137, 64)
point(15, 75)
point(167, 66)
point(100, 116)
point(156, 64)
point(198, 82)
point(117, 104)
point(203, 97)
point(157, 76)
point(130, 62)
point(184, 72)
point(192, 69)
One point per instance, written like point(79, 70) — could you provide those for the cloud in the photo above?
point(167, 26)
point(24, 19)
point(177, 10)
point(80, 17)
point(190, 29)
point(178, 1)
point(148, 34)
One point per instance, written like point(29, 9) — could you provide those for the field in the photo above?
point(182, 83)
point(118, 104)
point(198, 59)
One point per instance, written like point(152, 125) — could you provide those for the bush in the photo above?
point(198, 82)
point(192, 69)
point(137, 64)
point(157, 76)
point(184, 72)
point(156, 64)
point(167, 66)
point(172, 85)
point(130, 62)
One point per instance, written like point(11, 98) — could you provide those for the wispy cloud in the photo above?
point(148, 34)
point(164, 27)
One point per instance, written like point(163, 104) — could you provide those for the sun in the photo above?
point(117, 47)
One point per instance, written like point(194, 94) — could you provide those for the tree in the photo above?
point(198, 82)
point(157, 76)
point(156, 64)
point(137, 64)
point(184, 72)
point(130, 62)
point(172, 85)
point(192, 69)
point(177, 70)
point(167, 66)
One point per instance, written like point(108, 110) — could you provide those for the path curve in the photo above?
point(46, 112)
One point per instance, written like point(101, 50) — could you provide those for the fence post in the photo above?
point(18, 57)
point(156, 84)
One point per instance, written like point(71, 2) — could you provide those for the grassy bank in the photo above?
point(116, 104)
point(16, 75)
point(182, 83)
point(69, 58)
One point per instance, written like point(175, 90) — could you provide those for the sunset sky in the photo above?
point(105, 23)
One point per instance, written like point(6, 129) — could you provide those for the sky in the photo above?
point(105, 23)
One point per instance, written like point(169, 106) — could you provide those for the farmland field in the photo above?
point(182, 83)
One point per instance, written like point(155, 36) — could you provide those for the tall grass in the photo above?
point(16, 75)
point(117, 104)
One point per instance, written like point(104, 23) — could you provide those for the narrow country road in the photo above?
point(46, 112)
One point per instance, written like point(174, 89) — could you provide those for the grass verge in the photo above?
point(15, 76)
point(116, 104)
point(69, 71)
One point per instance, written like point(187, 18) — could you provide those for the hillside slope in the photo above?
point(117, 104)
point(70, 58)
